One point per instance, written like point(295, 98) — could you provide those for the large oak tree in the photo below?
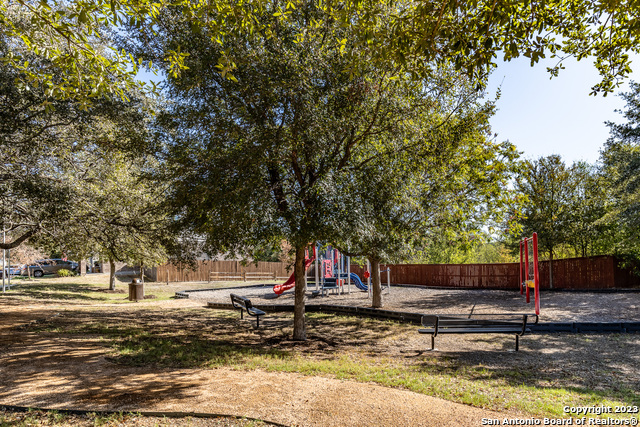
point(289, 148)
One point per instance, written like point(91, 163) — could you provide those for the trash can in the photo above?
point(136, 290)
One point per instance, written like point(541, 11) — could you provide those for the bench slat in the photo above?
point(501, 324)
point(472, 322)
point(474, 331)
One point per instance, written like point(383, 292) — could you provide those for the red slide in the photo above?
point(291, 282)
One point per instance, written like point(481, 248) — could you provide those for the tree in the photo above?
point(419, 36)
point(589, 233)
point(117, 211)
point(621, 168)
point(40, 138)
point(273, 154)
point(448, 186)
point(63, 183)
point(547, 185)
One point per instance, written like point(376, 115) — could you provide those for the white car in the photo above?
point(14, 270)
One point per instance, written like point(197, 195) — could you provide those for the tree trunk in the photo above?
point(551, 269)
point(299, 328)
point(112, 275)
point(375, 283)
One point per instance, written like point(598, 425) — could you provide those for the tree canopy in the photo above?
point(419, 36)
point(41, 138)
point(451, 182)
point(621, 166)
point(299, 146)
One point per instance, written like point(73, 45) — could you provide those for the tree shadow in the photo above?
point(63, 292)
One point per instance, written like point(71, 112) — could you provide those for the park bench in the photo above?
point(242, 303)
point(515, 324)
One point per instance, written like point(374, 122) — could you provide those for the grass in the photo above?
point(93, 289)
point(53, 418)
point(552, 371)
point(349, 348)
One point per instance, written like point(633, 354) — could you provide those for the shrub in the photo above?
point(65, 273)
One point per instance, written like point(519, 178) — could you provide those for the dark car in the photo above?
point(49, 266)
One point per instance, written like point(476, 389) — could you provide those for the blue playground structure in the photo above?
point(356, 280)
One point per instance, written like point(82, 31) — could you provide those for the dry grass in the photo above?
point(551, 371)
point(54, 418)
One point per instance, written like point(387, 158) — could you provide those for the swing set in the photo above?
point(529, 273)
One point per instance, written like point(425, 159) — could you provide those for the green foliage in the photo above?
point(567, 207)
point(621, 167)
point(481, 251)
point(65, 273)
point(418, 36)
point(120, 212)
point(590, 233)
point(41, 141)
point(275, 251)
point(445, 189)
point(301, 148)
point(548, 188)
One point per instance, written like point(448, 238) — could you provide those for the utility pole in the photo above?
point(9, 268)
point(4, 260)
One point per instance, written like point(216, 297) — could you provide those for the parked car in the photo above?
point(48, 266)
point(14, 270)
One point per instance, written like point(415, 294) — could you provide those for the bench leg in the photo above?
point(241, 314)
point(257, 321)
point(433, 343)
point(517, 342)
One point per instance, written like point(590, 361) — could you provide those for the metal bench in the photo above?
point(515, 324)
point(242, 303)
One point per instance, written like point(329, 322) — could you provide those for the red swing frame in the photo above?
point(525, 283)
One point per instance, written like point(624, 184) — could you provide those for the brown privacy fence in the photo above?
point(203, 269)
point(600, 272)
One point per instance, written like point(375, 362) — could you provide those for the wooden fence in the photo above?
point(202, 273)
point(600, 272)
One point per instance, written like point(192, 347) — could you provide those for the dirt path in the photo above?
point(44, 370)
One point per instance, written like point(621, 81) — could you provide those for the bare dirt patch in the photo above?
point(179, 356)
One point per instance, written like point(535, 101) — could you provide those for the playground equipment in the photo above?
point(332, 272)
point(291, 281)
point(336, 272)
point(367, 276)
point(529, 274)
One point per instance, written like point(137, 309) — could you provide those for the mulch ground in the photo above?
point(556, 306)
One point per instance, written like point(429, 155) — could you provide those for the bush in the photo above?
point(65, 273)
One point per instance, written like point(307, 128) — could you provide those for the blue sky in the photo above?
point(542, 116)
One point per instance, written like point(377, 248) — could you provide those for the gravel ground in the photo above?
point(554, 306)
